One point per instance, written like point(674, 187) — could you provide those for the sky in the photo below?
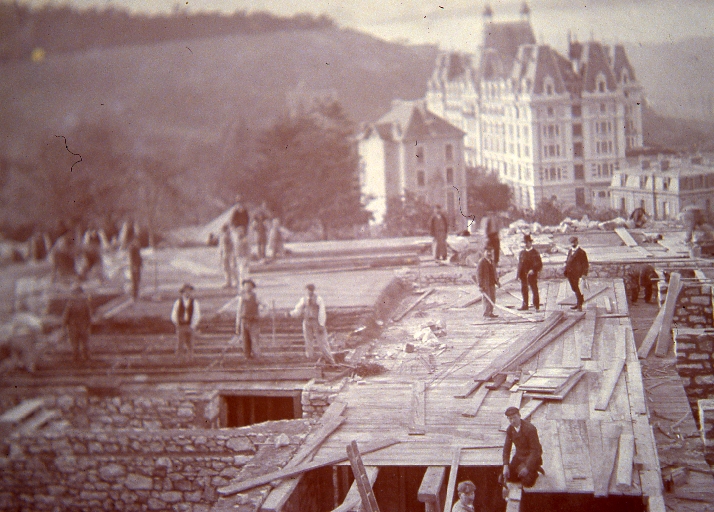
point(457, 24)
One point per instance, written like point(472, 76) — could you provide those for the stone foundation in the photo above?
point(317, 397)
point(139, 469)
point(694, 306)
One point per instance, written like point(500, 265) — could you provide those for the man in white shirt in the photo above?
point(185, 315)
point(314, 314)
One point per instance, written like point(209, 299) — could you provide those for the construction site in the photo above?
point(621, 393)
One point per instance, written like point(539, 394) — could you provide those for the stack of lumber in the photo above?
point(551, 383)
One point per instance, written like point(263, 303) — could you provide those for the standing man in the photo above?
point(529, 264)
point(185, 315)
point(135, 264)
point(248, 319)
point(261, 229)
point(438, 228)
point(467, 495)
point(228, 256)
point(239, 216)
point(489, 225)
point(527, 461)
point(77, 319)
point(487, 282)
point(314, 318)
point(576, 267)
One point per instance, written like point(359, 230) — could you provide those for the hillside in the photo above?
point(194, 91)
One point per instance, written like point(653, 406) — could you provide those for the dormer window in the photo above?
point(601, 83)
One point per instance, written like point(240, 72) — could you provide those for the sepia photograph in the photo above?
point(320, 256)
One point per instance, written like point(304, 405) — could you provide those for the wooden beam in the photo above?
point(626, 237)
point(616, 365)
point(240, 486)
point(586, 342)
point(604, 460)
point(451, 486)
point(651, 336)
point(369, 502)
point(430, 489)
point(314, 441)
point(280, 494)
point(625, 456)
point(515, 493)
point(417, 422)
point(664, 339)
point(656, 504)
point(528, 409)
point(402, 314)
point(476, 402)
point(352, 501)
point(635, 389)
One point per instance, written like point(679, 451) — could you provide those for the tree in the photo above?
point(486, 192)
point(308, 170)
point(407, 216)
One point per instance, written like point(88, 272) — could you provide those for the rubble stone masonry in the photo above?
point(134, 469)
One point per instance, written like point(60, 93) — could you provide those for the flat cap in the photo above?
point(466, 486)
point(512, 410)
point(573, 239)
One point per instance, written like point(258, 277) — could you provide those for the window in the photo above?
point(420, 178)
point(602, 193)
point(603, 108)
point(420, 155)
point(578, 150)
point(579, 171)
point(551, 112)
point(665, 183)
point(525, 131)
point(526, 150)
point(449, 175)
point(449, 152)
point(577, 130)
point(577, 110)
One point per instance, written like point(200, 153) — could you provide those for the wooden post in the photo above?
point(451, 486)
point(665, 334)
point(369, 502)
point(430, 489)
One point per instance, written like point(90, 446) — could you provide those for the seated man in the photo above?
point(526, 463)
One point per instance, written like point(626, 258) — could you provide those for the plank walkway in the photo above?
point(581, 435)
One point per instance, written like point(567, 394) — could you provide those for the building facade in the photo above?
point(548, 124)
point(663, 187)
point(412, 150)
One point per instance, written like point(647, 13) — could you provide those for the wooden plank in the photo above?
point(528, 409)
point(606, 304)
point(280, 494)
point(451, 485)
point(664, 339)
point(606, 459)
point(369, 502)
point(314, 441)
point(656, 504)
point(621, 298)
point(576, 462)
point(506, 279)
point(635, 388)
point(430, 488)
point(515, 492)
point(22, 411)
point(651, 337)
point(563, 292)
point(353, 500)
point(417, 422)
point(240, 486)
point(554, 478)
point(562, 393)
point(404, 313)
point(612, 374)
point(588, 330)
point(475, 404)
point(625, 456)
point(626, 237)
point(587, 296)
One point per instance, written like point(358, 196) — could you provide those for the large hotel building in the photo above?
point(549, 124)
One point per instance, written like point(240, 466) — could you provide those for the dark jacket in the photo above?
point(486, 274)
point(528, 260)
point(239, 217)
point(77, 314)
point(528, 448)
point(576, 265)
point(438, 225)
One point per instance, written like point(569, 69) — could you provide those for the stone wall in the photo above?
point(694, 348)
point(139, 469)
point(317, 397)
point(694, 306)
point(99, 409)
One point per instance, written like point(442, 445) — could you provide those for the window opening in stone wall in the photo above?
point(241, 411)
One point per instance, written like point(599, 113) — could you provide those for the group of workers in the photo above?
point(186, 315)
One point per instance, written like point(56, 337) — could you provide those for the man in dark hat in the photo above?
point(77, 319)
point(529, 264)
point(487, 282)
point(185, 315)
point(527, 461)
point(312, 309)
point(248, 319)
point(576, 267)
